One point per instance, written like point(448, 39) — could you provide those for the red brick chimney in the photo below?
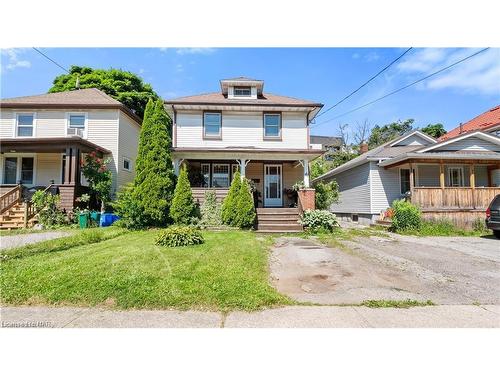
point(363, 147)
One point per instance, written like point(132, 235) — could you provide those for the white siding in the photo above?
point(428, 175)
point(6, 124)
point(128, 142)
point(470, 144)
point(242, 129)
point(103, 131)
point(50, 124)
point(48, 167)
point(385, 187)
point(354, 190)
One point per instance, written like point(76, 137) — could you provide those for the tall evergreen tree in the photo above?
point(154, 183)
point(228, 210)
point(183, 208)
point(245, 209)
point(144, 141)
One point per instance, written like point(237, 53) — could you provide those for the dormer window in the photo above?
point(243, 91)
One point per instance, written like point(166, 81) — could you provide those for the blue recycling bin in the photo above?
point(107, 219)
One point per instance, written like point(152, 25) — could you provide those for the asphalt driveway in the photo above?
point(445, 270)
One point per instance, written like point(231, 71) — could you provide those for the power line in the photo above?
point(48, 58)
point(404, 87)
point(367, 82)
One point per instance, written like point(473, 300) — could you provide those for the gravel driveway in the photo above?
point(446, 270)
point(16, 240)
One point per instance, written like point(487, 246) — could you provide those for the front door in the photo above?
point(273, 191)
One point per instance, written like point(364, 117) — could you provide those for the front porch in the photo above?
point(51, 164)
point(272, 173)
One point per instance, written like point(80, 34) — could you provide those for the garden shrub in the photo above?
point(183, 208)
point(175, 236)
point(327, 193)
point(406, 216)
point(210, 210)
point(99, 177)
point(319, 220)
point(245, 209)
point(45, 205)
point(128, 208)
point(228, 210)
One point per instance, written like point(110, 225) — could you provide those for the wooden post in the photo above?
point(412, 184)
point(472, 180)
point(67, 166)
point(25, 221)
point(441, 175)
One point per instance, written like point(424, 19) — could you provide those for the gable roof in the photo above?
point(478, 134)
point(325, 140)
point(265, 99)
point(384, 151)
point(83, 98)
point(416, 133)
point(482, 122)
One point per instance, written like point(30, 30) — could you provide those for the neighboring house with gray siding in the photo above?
point(456, 178)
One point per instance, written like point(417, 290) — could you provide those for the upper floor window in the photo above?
point(272, 125)
point(76, 124)
point(127, 164)
point(212, 122)
point(25, 124)
point(243, 91)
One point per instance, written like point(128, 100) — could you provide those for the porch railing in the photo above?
point(10, 198)
point(199, 193)
point(453, 197)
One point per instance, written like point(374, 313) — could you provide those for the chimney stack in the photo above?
point(363, 147)
point(461, 129)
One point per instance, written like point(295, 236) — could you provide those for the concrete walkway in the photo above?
point(16, 240)
point(444, 316)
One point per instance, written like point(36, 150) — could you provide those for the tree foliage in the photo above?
point(382, 134)
point(245, 209)
point(126, 87)
point(183, 208)
point(98, 176)
point(155, 179)
point(322, 165)
point(228, 211)
point(434, 130)
point(210, 210)
point(327, 193)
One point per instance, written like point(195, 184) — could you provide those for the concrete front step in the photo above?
point(270, 217)
point(278, 210)
point(279, 227)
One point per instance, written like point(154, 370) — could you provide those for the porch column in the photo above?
point(441, 175)
point(412, 183)
point(307, 182)
point(472, 181)
point(177, 165)
point(72, 166)
point(243, 164)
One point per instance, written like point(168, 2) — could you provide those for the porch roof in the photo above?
point(470, 157)
point(56, 144)
point(246, 153)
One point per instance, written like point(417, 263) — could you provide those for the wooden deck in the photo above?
point(448, 198)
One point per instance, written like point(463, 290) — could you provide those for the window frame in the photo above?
point(208, 182)
point(19, 161)
point(125, 159)
point(461, 175)
point(401, 180)
point(17, 126)
point(280, 126)
point(68, 121)
point(228, 165)
point(249, 88)
point(212, 136)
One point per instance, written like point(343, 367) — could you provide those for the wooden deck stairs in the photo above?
point(278, 220)
point(13, 218)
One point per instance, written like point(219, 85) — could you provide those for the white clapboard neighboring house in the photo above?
point(455, 178)
point(242, 127)
point(44, 139)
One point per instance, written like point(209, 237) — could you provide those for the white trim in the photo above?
point(19, 157)
point(86, 125)
point(16, 125)
point(280, 124)
point(416, 132)
point(124, 158)
point(484, 136)
point(462, 175)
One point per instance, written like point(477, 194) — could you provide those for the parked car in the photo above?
point(493, 216)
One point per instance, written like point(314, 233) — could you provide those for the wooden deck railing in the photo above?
point(199, 193)
point(10, 198)
point(453, 198)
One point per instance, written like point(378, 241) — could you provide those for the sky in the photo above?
point(323, 75)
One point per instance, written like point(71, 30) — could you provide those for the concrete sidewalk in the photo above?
point(444, 316)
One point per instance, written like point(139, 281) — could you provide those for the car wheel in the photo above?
point(497, 233)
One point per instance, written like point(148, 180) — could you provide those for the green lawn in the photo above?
point(229, 271)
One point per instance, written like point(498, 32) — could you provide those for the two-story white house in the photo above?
point(44, 138)
point(242, 127)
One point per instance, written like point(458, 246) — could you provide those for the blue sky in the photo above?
point(320, 74)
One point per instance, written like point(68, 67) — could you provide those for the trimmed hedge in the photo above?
point(245, 210)
point(228, 210)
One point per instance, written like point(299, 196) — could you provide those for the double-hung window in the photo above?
point(25, 123)
point(404, 180)
point(220, 175)
point(212, 123)
point(272, 125)
point(76, 124)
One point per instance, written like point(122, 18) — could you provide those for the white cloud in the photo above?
point(195, 51)
point(480, 74)
point(179, 68)
point(356, 55)
point(142, 71)
point(13, 59)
